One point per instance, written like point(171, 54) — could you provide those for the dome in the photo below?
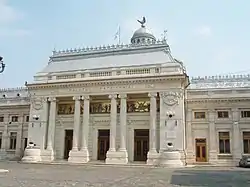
point(142, 36)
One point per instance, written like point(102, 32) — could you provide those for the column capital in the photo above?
point(52, 99)
point(113, 96)
point(77, 98)
point(122, 96)
point(85, 97)
point(152, 94)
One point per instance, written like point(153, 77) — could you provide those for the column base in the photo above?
point(32, 155)
point(76, 156)
point(153, 157)
point(48, 155)
point(117, 157)
point(171, 159)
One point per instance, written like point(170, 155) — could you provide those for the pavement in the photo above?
point(40, 175)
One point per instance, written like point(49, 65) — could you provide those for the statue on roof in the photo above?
point(142, 22)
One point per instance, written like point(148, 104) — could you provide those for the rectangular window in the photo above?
point(246, 142)
point(245, 114)
point(223, 114)
point(27, 118)
point(13, 137)
point(224, 143)
point(14, 119)
point(1, 119)
point(199, 115)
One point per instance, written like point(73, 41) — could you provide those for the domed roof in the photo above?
point(142, 35)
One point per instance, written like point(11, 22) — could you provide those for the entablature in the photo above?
point(102, 87)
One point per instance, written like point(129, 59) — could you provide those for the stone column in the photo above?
point(84, 152)
point(212, 140)
point(113, 120)
point(190, 139)
point(153, 109)
point(237, 150)
point(85, 124)
point(123, 122)
point(52, 123)
point(77, 115)
point(152, 156)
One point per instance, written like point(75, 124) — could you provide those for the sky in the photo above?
point(211, 37)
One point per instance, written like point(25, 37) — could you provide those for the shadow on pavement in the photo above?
point(204, 178)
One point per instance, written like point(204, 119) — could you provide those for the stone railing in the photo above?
point(220, 81)
point(105, 48)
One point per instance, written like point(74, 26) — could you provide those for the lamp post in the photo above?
point(2, 65)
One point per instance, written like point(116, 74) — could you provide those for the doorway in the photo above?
point(201, 150)
point(103, 143)
point(141, 144)
point(68, 142)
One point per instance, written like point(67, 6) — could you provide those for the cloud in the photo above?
point(204, 31)
point(8, 14)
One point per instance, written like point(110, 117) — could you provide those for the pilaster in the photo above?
point(190, 154)
point(236, 136)
point(212, 140)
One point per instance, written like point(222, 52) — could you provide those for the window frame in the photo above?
point(247, 138)
point(196, 112)
point(242, 112)
point(223, 112)
point(224, 139)
point(2, 117)
point(14, 117)
point(13, 140)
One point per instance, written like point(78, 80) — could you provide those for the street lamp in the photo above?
point(2, 65)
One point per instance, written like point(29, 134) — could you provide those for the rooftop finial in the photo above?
point(142, 22)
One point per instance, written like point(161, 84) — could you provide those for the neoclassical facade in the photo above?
point(113, 104)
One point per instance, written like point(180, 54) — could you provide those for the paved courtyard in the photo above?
point(36, 175)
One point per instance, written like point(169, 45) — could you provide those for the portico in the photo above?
point(117, 119)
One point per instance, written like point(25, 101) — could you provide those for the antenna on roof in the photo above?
point(164, 35)
point(118, 35)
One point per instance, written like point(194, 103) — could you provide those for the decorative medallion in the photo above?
point(171, 98)
point(37, 103)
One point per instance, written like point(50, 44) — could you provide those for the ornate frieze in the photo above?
point(67, 109)
point(138, 106)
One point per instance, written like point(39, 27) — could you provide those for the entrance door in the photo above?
point(141, 144)
point(68, 141)
point(201, 150)
point(103, 144)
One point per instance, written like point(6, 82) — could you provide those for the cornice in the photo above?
point(107, 82)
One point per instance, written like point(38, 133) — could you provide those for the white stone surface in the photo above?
point(32, 155)
point(170, 159)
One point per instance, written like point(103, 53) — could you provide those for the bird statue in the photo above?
point(142, 22)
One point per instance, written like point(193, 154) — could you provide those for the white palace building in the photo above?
point(112, 103)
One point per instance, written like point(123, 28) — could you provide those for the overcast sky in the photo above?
point(210, 36)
